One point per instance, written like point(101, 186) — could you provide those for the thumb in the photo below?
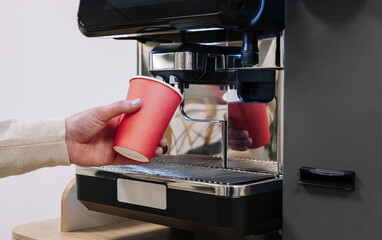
point(110, 111)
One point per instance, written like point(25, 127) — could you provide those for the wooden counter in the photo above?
point(127, 230)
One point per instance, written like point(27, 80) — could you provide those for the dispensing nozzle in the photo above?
point(250, 49)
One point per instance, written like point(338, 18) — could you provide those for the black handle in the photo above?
point(339, 179)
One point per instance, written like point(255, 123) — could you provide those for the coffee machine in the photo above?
point(226, 57)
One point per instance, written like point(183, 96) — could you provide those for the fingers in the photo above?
point(105, 113)
point(239, 139)
point(240, 144)
point(238, 133)
point(158, 151)
point(163, 142)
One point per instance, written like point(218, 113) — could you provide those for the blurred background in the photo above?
point(48, 69)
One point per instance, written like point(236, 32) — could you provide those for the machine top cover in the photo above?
point(136, 18)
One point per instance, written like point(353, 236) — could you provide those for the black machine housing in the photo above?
point(171, 20)
point(196, 22)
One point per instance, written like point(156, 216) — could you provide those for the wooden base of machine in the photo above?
point(75, 216)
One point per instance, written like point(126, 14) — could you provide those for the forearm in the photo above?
point(27, 145)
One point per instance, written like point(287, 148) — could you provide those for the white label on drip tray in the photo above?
point(142, 193)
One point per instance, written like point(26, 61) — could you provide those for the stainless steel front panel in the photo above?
point(141, 193)
point(206, 102)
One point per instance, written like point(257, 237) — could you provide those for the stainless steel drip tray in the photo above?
point(193, 173)
point(186, 192)
point(171, 167)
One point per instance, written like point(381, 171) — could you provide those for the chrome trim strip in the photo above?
point(280, 124)
point(189, 61)
point(173, 61)
point(132, 35)
point(204, 29)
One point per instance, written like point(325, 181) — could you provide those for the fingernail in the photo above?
point(136, 102)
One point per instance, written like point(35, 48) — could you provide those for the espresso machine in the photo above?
point(226, 57)
point(318, 172)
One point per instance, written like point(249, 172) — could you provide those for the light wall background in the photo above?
point(48, 69)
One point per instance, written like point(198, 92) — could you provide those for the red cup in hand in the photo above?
point(139, 133)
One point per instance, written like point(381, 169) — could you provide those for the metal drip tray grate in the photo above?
point(192, 168)
point(244, 164)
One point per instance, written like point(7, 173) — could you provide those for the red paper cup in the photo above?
point(251, 117)
point(139, 133)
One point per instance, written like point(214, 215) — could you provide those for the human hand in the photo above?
point(90, 135)
point(238, 139)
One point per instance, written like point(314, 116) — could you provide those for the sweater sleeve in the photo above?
point(27, 145)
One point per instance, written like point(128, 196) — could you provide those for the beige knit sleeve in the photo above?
point(26, 145)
